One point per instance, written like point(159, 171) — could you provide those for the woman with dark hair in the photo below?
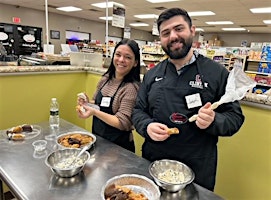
point(115, 95)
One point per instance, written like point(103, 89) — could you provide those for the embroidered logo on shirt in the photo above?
point(178, 118)
point(197, 83)
point(158, 78)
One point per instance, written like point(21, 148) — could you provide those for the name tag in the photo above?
point(106, 101)
point(193, 100)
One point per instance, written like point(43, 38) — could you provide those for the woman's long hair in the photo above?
point(134, 74)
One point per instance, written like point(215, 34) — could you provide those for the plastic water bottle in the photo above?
point(54, 114)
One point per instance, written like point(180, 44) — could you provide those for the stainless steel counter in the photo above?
point(27, 176)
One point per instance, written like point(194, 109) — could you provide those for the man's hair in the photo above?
point(172, 12)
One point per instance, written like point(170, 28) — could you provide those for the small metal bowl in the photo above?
point(161, 166)
point(58, 156)
point(74, 135)
point(137, 183)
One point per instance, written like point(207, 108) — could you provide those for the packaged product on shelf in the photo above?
point(259, 90)
point(261, 79)
point(255, 55)
point(264, 54)
point(263, 67)
point(261, 98)
point(269, 67)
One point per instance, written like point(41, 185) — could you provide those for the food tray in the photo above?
point(73, 133)
point(137, 183)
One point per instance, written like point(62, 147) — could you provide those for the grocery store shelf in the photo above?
point(255, 104)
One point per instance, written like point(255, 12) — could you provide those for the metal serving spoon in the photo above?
point(78, 155)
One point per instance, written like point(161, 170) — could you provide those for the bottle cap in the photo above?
point(53, 99)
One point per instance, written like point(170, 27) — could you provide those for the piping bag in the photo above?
point(238, 83)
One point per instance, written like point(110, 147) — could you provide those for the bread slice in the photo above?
point(174, 130)
point(80, 108)
point(18, 136)
point(82, 96)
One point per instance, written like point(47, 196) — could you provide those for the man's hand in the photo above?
point(205, 116)
point(157, 131)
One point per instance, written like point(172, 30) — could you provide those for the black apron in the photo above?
point(191, 146)
point(119, 137)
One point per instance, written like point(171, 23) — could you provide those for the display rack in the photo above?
point(228, 62)
point(254, 63)
point(152, 54)
point(262, 92)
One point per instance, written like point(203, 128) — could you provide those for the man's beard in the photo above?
point(179, 53)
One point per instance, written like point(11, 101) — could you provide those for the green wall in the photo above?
point(244, 164)
point(26, 98)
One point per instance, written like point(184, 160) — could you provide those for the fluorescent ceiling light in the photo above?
point(233, 29)
point(199, 29)
point(267, 21)
point(261, 10)
point(106, 18)
point(103, 5)
point(219, 22)
point(146, 16)
point(139, 24)
point(201, 13)
point(109, 4)
point(161, 1)
point(69, 9)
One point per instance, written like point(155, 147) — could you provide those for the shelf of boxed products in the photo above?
point(153, 49)
point(226, 56)
point(254, 63)
point(263, 81)
point(98, 48)
point(258, 66)
point(260, 59)
point(258, 100)
point(260, 94)
point(149, 57)
point(228, 62)
point(152, 54)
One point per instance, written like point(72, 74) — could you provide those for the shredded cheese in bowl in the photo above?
point(172, 176)
point(68, 163)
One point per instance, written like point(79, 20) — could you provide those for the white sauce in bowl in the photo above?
point(69, 163)
point(171, 176)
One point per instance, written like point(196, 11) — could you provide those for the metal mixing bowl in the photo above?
point(137, 183)
point(58, 156)
point(161, 166)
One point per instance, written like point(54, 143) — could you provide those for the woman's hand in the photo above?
point(85, 111)
point(82, 98)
